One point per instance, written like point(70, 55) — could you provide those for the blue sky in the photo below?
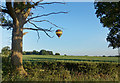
point(82, 32)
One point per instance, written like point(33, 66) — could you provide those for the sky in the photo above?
point(83, 34)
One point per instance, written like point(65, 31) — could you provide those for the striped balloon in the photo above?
point(59, 32)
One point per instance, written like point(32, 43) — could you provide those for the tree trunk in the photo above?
point(16, 57)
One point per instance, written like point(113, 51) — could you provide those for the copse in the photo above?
point(35, 52)
point(44, 52)
point(50, 52)
point(57, 53)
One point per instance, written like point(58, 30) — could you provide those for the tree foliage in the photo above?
point(57, 53)
point(6, 50)
point(44, 52)
point(34, 52)
point(109, 15)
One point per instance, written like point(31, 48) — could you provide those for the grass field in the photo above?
point(69, 58)
point(63, 68)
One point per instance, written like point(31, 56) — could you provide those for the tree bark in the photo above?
point(16, 57)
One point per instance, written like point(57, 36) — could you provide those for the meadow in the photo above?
point(63, 68)
point(69, 58)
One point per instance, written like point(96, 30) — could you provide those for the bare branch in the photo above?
point(38, 3)
point(44, 15)
point(11, 25)
point(46, 21)
point(41, 7)
point(40, 28)
point(38, 32)
point(48, 34)
point(30, 29)
point(25, 33)
point(7, 26)
point(38, 35)
point(4, 10)
point(51, 3)
point(35, 4)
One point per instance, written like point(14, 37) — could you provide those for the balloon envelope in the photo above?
point(59, 32)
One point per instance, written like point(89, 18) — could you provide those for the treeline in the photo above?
point(7, 51)
point(42, 52)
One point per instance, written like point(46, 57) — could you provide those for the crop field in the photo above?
point(69, 58)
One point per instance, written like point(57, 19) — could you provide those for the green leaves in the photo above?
point(6, 50)
point(109, 15)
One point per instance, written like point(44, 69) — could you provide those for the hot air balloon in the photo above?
point(59, 32)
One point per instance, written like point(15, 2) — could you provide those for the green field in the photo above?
point(63, 68)
point(68, 58)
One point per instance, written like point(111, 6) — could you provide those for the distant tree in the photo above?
point(24, 53)
point(50, 52)
point(65, 55)
point(29, 52)
point(104, 56)
point(86, 55)
point(57, 53)
point(6, 50)
point(109, 15)
point(35, 52)
point(43, 52)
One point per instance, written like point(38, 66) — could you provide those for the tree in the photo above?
point(6, 50)
point(24, 53)
point(109, 15)
point(57, 53)
point(35, 52)
point(43, 52)
point(50, 52)
point(28, 52)
point(20, 14)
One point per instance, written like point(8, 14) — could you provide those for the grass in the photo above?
point(69, 58)
point(64, 68)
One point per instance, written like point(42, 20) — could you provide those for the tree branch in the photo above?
point(40, 28)
point(6, 26)
point(33, 5)
point(38, 35)
point(11, 25)
point(44, 15)
point(10, 9)
point(46, 21)
point(51, 3)
point(31, 29)
point(44, 30)
point(38, 3)
point(4, 10)
point(48, 34)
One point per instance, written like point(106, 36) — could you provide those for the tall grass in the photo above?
point(62, 71)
